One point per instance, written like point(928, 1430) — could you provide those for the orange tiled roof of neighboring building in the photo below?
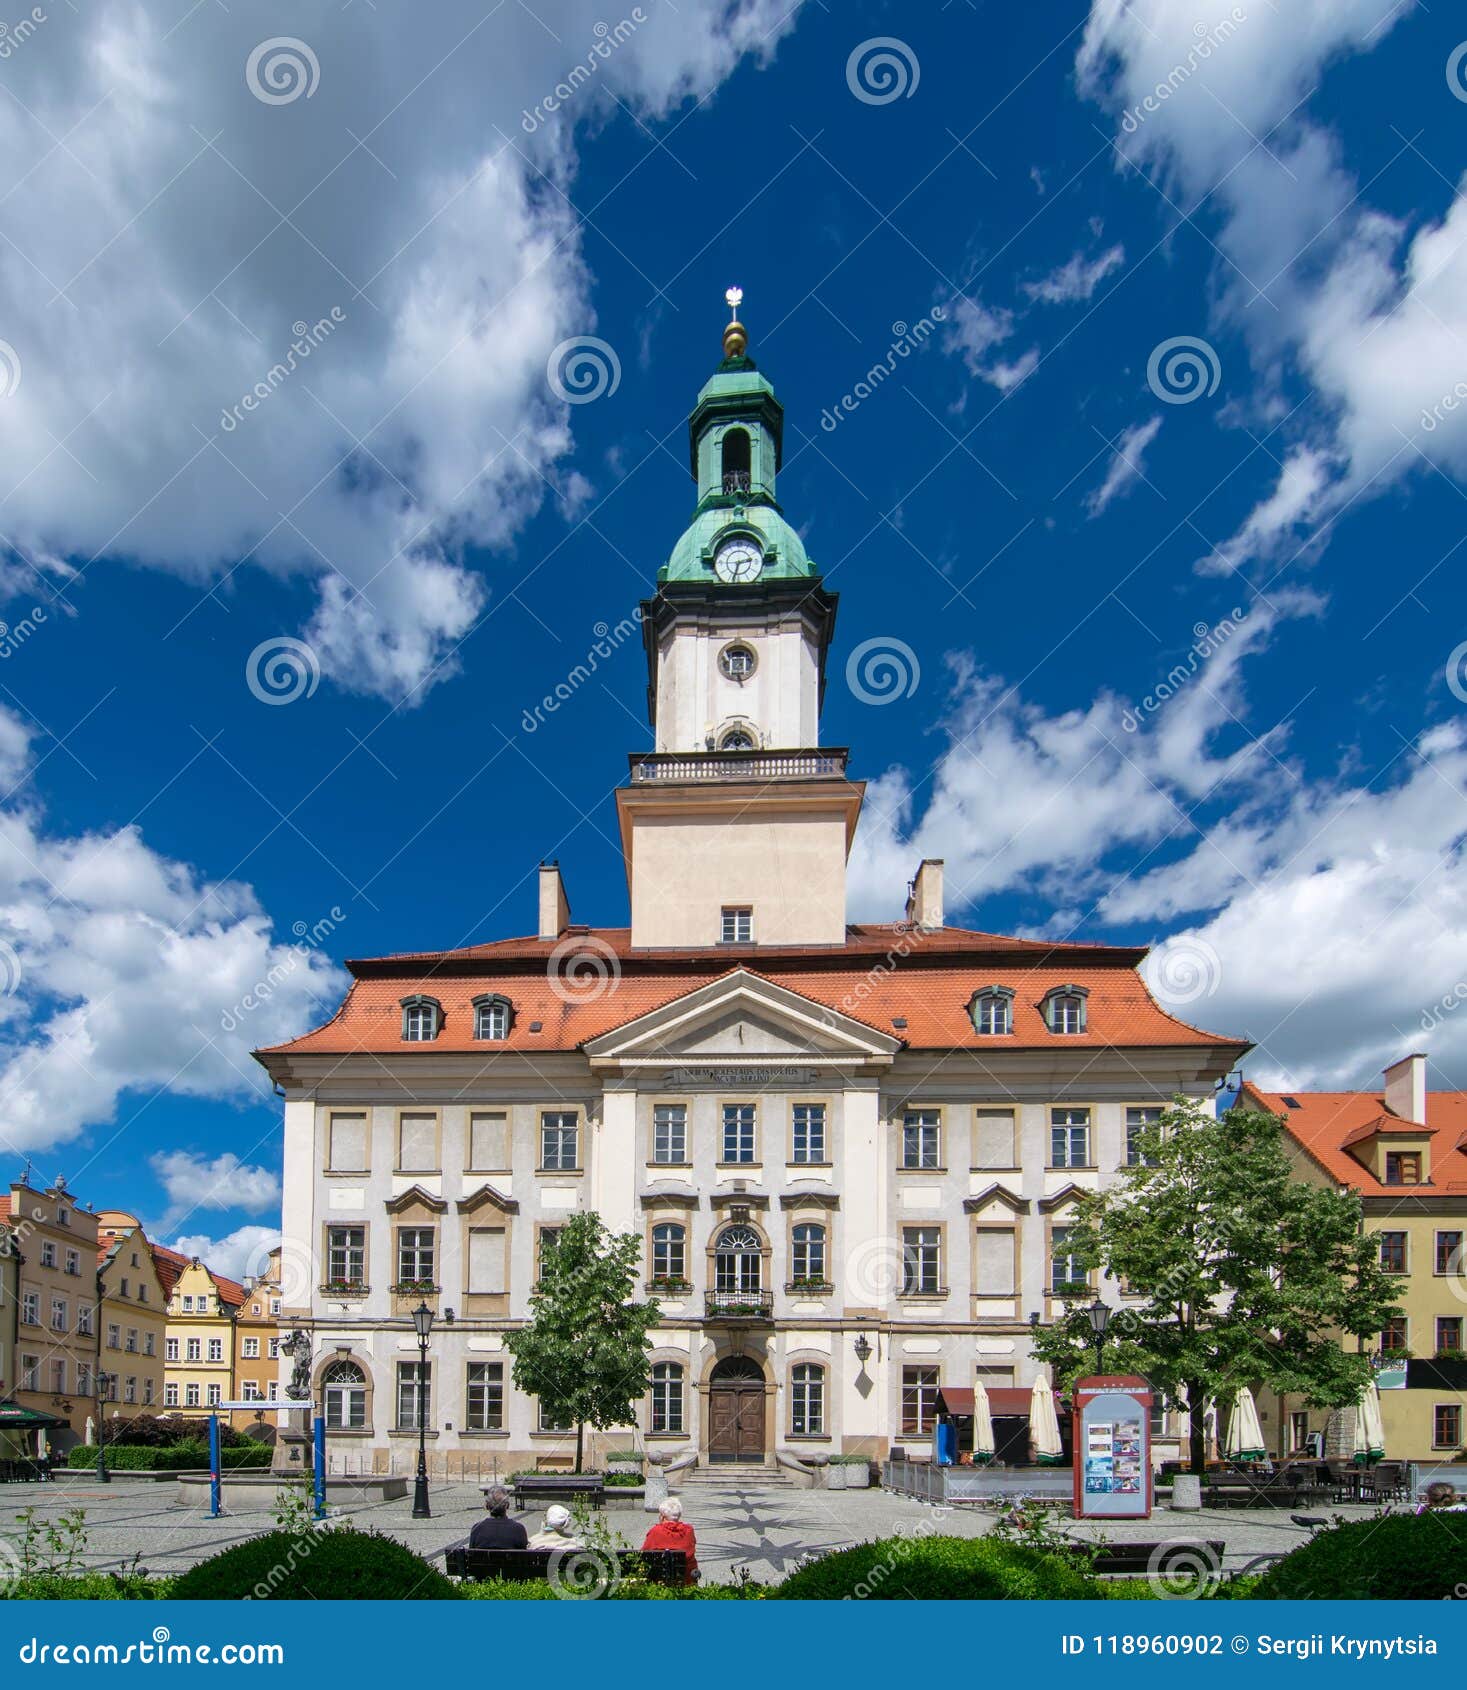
point(171, 1263)
point(1326, 1123)
point(913, 986)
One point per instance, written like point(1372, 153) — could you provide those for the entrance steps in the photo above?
point(735, 1476)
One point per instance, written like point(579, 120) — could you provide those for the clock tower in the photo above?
point(736, 827)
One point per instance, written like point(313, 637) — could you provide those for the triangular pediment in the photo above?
point(999, 1193)
point(739, 1019)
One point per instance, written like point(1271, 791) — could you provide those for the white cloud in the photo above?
point(194, 1182)
point(135, 974)
point(240, 1254)
point(1277, 519)
point(975, 331)
point(1077, 279)
point(1126, 465)
point(166, 231)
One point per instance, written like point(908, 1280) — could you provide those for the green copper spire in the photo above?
point(736, 434)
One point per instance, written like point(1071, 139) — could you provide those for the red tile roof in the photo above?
point(881, 976)
point(4, 1207)
point(1326, 1123)
point(170, 1264)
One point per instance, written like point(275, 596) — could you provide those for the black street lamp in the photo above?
point(105, 1382)
point(1099, 1314)
point(423, 1323)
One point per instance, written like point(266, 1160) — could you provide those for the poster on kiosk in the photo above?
point(1112, 1447)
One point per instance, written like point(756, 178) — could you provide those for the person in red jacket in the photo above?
point(673, 1532)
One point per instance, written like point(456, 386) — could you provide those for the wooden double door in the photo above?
point(736, 1411)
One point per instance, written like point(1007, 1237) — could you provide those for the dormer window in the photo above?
point(992, 1010)
point(1402, 1167)
point(491, 1017)
point(421, 1019)
point(1064, 1009)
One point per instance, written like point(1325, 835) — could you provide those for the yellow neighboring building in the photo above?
point(134, 1318)
point(1406, 1154)
point(257, 1335)
point(198, 1347)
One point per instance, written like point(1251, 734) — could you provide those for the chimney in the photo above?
point(554, 908)
point(1405, 1088)
point(924, 900)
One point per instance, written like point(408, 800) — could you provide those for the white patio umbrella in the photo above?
point(1044, 1432)
point(1244, 1441)
point(983, 1439)
point(1369, 1427)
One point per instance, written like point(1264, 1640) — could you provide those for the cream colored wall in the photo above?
point(789, 868)
point(781, 698)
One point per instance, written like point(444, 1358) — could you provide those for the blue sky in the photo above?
point(1035, 516)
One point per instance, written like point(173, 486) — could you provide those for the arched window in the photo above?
point(1064, 1009)
point(669, 1253)
point(667, 1397)
point(807, 1255)
point(491, 1017)
point(421, 1018)
point(807, 1400)
point(345, 1387)
point(738, 1261)
point(736, 461)
point(737, 739)
point(993, 1011)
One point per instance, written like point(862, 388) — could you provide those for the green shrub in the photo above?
point(539, 1590)
point(938, 1568)
point(1401, 1557)
point(127, 1458)
point(166, 1431)
point(337, 1565)
point(86, 1587)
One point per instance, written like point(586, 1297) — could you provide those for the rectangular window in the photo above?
point(250, 1349)
point(58, 1377)
point(1138, 1123)
point(1446, 1425)
point(486, 1261)
point(1393, 1335)
point(170, 1349)
point(738, 925)
point(919, 1400)
point(275, 1349)
point(59, 1322)
point(130, 1389)
point(921, 1261)
point(251, 1392)
point(30, 1373)
point(85, 1315)
point(148, 1344)
point(114, 1337)
point(548, 1423)
point(669, 1132)
point(1449, 1334)
point(73, 1263)
point(1069, 1138)
point(994, 1262)
point(1448, 1253)
point(83, 1380)
point(489, 1139)
point(485, 1397)
point(807, 1400)
point(275, 1305)
point(738, 1132)
point(1392, 1252)
point(346, 1255)
point(559, 1141)
point(1403, 1167)
point(130, 1342)
point(993, 1139)
point(48, 1253)
point(415, 1255)
point(546, 1244)
point(807, 1253)
point(191, 1396)
point(347, 1144)
point(170, 1396)
point(216, 1349)
point(417, 1144)
point(1066, 1276)
point(809, 1133)
point(667, 1397)
point(147, 1393)
point(216, 1395)
point(195, 1350)
point(669, 1251)
point(30, 1308)
point(188, 1305)
point(921, 1139)
point(411, 1377)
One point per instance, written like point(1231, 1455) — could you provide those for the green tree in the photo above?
point(584, 1350)
point(1237, 1271)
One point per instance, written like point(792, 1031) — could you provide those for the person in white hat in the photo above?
point(558, 1532)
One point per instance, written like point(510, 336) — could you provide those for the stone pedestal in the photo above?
point(655, 1482)
point(292, 1457)
point(1186, 1493)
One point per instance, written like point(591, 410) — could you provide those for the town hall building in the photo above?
point(851, 1151)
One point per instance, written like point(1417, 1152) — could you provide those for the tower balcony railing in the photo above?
point(736, 481)
point(807, 764)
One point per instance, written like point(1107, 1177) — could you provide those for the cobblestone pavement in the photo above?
point(764, 1529)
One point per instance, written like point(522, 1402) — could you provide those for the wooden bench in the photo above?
point(558, 1487)
point(1277, 1491)
point(1183, 1553)
point(516, 1566)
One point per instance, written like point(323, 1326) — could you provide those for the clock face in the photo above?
point(738, 560)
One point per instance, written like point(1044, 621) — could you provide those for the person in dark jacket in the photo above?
point(496, 1530)
point(673, 1532)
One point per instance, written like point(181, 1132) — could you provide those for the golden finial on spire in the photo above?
point(735, 336)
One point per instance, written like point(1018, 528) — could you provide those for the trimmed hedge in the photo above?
point(86, 1587)
point(130, 1458)
point(342, 1564)
point(1401, 1557)
point(941, 1569)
